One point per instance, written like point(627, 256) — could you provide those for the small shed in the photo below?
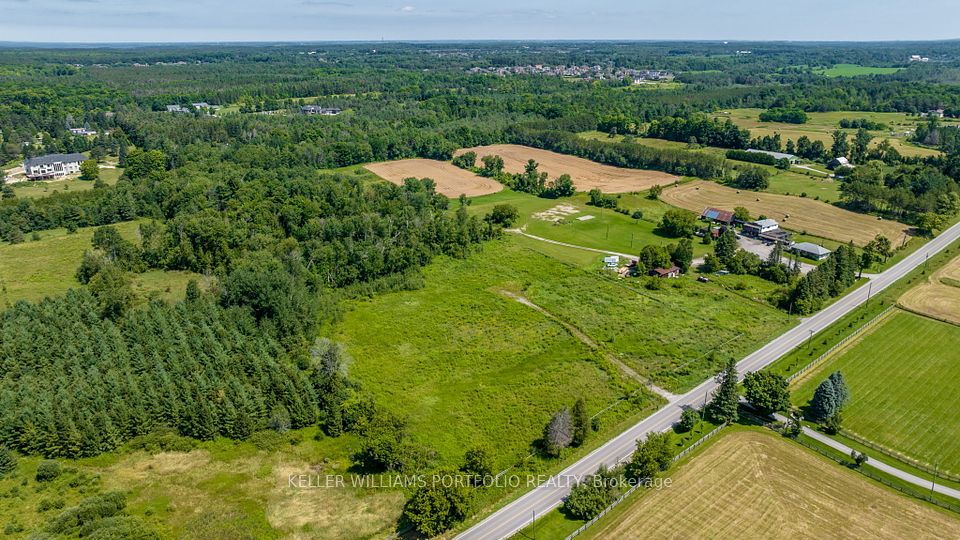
point(611, 262)
point(838, 162)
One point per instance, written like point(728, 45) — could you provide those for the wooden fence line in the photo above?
point(839, 344)
point(621, 498)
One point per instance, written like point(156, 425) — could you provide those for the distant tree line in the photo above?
point(788, 116)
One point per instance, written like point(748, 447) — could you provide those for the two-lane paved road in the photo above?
point(519, 513)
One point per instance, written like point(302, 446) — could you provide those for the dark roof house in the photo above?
point(50, 159)
point(671, 272)
point(316, 109)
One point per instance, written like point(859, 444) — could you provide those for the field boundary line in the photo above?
point(840, 344)
point(862, 470)
point(899, 456)
point(630, 491)
point(927, 315)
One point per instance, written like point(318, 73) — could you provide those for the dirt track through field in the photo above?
point(586, 174)
point(795, 213)
point(585, 339)
point(936, 298)
point(451, 180)
point(755, 485)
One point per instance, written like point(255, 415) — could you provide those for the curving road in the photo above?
point(519, 513)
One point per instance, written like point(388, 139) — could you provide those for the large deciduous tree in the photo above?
point(766, 391)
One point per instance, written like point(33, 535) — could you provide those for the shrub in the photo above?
point(589, 497)
point(51, 504)
point(477, 462)
point(437, 506)
point(688, 420)
point(8, 462)
point(49, 469)
point(504, 215)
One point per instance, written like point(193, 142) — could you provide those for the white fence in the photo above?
point(620, 499)
point(841, 343)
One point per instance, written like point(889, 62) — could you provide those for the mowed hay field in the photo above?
point(820, 126)
point(451, 180)
point(903, 388)
point(751, 484)
point(940, 296)
point(586, 174)
point(805, 215)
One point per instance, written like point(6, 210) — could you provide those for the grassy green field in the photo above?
point(45, 267)
point(902, 379)
point(854, 70)
point(677, 335)
point(606, 230)
point(461, 339)
point(434, 353)
point(653, 85)
point(220, 489)
point(34, 190)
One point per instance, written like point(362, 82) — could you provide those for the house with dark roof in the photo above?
point(316, 109)
point(775, 236)
point(715, 214)
point(672, 272)
point(52, 166)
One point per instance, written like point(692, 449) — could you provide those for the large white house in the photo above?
point(52, 166)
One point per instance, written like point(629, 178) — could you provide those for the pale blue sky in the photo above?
point(322, 20)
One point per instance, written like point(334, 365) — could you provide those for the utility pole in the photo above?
point(933, 486)
point(869, 290)
point(810, 339)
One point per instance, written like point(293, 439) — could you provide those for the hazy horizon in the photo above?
point(246, 21)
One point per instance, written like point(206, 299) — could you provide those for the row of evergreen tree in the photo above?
point(74, 384)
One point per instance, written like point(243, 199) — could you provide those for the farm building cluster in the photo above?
point(612, 262)
point(765, 230)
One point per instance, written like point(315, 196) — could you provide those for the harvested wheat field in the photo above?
point(940, 296)
point(757, 485)
point(451, 180)
point(795, 213)
point(586, 174)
